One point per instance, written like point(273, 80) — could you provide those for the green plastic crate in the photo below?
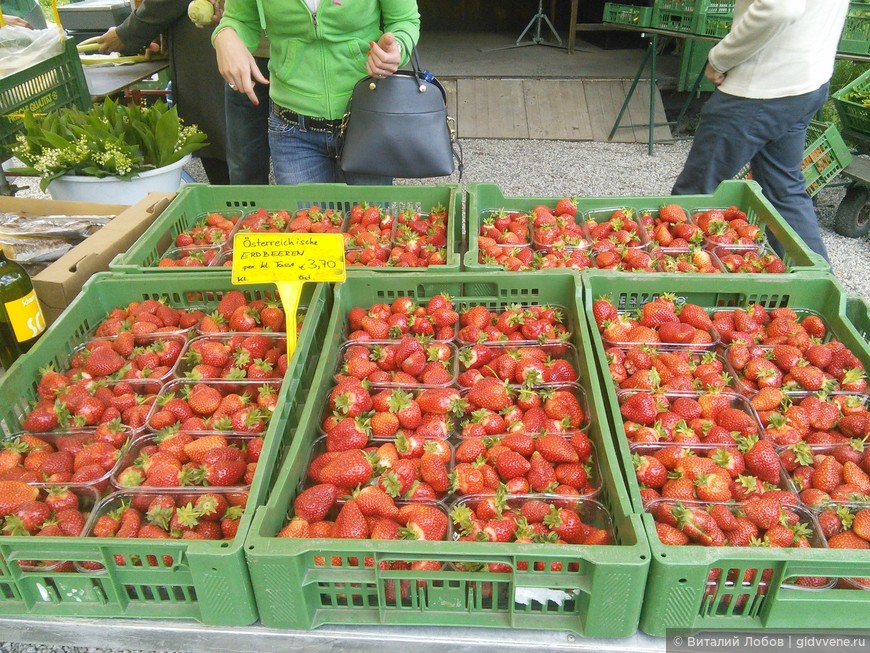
point(858, 312)
point(825, 156)
point(627, 14)
point(51, 84)
point(195, 199)
point(674, 15)
point(746, 195)
point(294, 592)
point(209, 580)
point(854, 115)
point(693, 61)
point(714, 18)
point(675, 593)
point(855, 38)
point(705, 17)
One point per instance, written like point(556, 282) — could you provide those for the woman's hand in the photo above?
point(236, 64)
point(715, 77)
point(110, 42)
point(384, 56)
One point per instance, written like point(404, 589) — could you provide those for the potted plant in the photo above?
point(110, 150)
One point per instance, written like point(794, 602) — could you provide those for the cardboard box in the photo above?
point(59, 283)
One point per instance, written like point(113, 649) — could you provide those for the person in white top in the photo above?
point(771, 72)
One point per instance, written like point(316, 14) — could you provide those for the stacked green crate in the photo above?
point(694, 587)
point(693, 61)
point(856, 31)
point(483, 199)
point(303, 583)
point(205, 580)
point(196, 200)
point(634, 15)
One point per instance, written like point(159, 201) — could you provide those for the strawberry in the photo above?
point(347, 470)
point(372, 501)
point(103, 361)
point(490, 393)
point(433, 470)
point(640, 408)
point(762, 511)
point(315, 502)
point(424, 522)
point(556, 449)
point(14, 494)
point(670, 535)
point(760, 458)
point(511, 464)
point(350, 522)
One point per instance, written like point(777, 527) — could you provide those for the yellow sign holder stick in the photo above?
point(288, 261)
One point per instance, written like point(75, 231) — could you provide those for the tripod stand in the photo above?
point(536, 39)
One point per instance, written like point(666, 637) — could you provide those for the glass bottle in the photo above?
point(21, 319)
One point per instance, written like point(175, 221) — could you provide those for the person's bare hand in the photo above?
point(15, 21)
point(384, 56)
point(715, 77)
point(110, 41)
point(236, 64)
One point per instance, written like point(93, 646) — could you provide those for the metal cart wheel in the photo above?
point(853, 215)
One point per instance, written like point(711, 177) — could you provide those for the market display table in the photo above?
point(194, 637)
point(108, 80)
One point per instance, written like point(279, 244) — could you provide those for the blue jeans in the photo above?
point(248, 133)
point(771, 135)
point(302, 156)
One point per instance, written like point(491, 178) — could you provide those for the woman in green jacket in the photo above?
point(319, 50)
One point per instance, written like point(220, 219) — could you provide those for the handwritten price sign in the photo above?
point(264, 258)
point(288, 260)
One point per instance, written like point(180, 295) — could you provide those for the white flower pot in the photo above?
point(111, 190)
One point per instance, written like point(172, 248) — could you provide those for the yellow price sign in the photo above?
point(288, 261)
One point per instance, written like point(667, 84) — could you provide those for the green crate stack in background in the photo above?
point(715, 18)
point(636, 16)
point(51, 84)
point(676, 15)
point(825, 156)
point(602, 598)
point(208, 580)
point(678, 592)
point(746, 195)
point(856, 31)
point(851, 103)
point(693, 61)
point(194, 200)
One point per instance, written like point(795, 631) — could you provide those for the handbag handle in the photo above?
point(414, 60)
point(417, 67)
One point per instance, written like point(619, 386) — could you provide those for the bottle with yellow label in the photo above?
point(21, 320)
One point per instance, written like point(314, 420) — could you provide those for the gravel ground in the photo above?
point(558, 168)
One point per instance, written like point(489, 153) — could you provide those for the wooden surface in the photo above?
point(557, 109)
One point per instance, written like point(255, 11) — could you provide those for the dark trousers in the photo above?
point(248, 133)
point(771, 135)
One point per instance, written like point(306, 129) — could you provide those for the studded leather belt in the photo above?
point(307, 123)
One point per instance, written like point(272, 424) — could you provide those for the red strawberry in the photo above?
point(315, 502)
point(760, 458)
point(14, 494)
point(490, 393)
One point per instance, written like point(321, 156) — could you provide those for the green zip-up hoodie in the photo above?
point(316, 59)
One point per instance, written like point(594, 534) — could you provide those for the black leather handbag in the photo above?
point(398, 127)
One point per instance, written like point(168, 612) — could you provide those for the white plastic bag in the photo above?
point(21, 48)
